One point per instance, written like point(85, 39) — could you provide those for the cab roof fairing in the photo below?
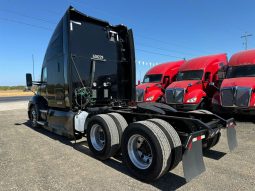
point(200, 63)
point(243, 58)
point(164, 67)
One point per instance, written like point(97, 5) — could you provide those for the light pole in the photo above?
point(33, 66)
point(245, 36)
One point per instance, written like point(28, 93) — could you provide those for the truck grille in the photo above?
point(139, 95)
point(227, 97)
point(235, 96)
point(174, 95)
point(243, 97)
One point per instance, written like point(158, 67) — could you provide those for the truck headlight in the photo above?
point(192, 100)
point(149, 98)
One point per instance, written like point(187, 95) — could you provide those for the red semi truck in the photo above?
point(237, 89)
point(196, 83)
point(156, 80)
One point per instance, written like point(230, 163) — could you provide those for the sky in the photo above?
point(164, 30)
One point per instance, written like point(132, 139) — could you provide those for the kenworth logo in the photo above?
point(98, 57)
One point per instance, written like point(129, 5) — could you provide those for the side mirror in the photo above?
point(29, 80)
point(139, 82)
point(159, 85)
point(207, 76)
point(188, 86)
point(211, 84)
point(166, 80)
point(146, 89)
point(222, 71)
point(221, 75)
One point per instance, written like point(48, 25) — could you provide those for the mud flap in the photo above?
point(231, 136)
point(192, 161)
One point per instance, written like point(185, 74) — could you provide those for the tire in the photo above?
point(154, 141)
point(174, 141)
point(34, 116)
point(120, 122)
point(103, 136)
point(208, 144)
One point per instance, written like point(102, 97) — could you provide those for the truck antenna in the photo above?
point(245, 36)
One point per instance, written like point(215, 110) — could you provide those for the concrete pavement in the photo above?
point(36, 159)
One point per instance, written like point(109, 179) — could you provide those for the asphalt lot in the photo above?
point(14, 99)
point(35, 159)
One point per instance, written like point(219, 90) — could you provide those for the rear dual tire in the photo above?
point(104, 134)
point(174, 141)
point(145, 150)
point(149, 148)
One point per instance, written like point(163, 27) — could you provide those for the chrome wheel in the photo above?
point(139, 151)
point(97, 137)
point(34, 117)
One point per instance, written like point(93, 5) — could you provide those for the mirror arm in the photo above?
point(38, 83)
point(218, 89)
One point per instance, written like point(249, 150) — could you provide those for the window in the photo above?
point(44, 74)
point(241, 71)
point(190, 75)
point(152, 78)
point(55, 47)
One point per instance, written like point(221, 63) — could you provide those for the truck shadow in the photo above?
point(213, 154)
point(169, 181)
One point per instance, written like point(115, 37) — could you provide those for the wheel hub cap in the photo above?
point(97, 137)
point(139, 151)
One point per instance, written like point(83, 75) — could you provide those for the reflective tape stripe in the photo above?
point(198, 138)
point(231, 124)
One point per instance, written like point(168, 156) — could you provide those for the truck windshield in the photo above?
point(241, 71)
point(152, 78)
point(190, 75)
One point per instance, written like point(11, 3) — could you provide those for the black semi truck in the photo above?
point(87, 88)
